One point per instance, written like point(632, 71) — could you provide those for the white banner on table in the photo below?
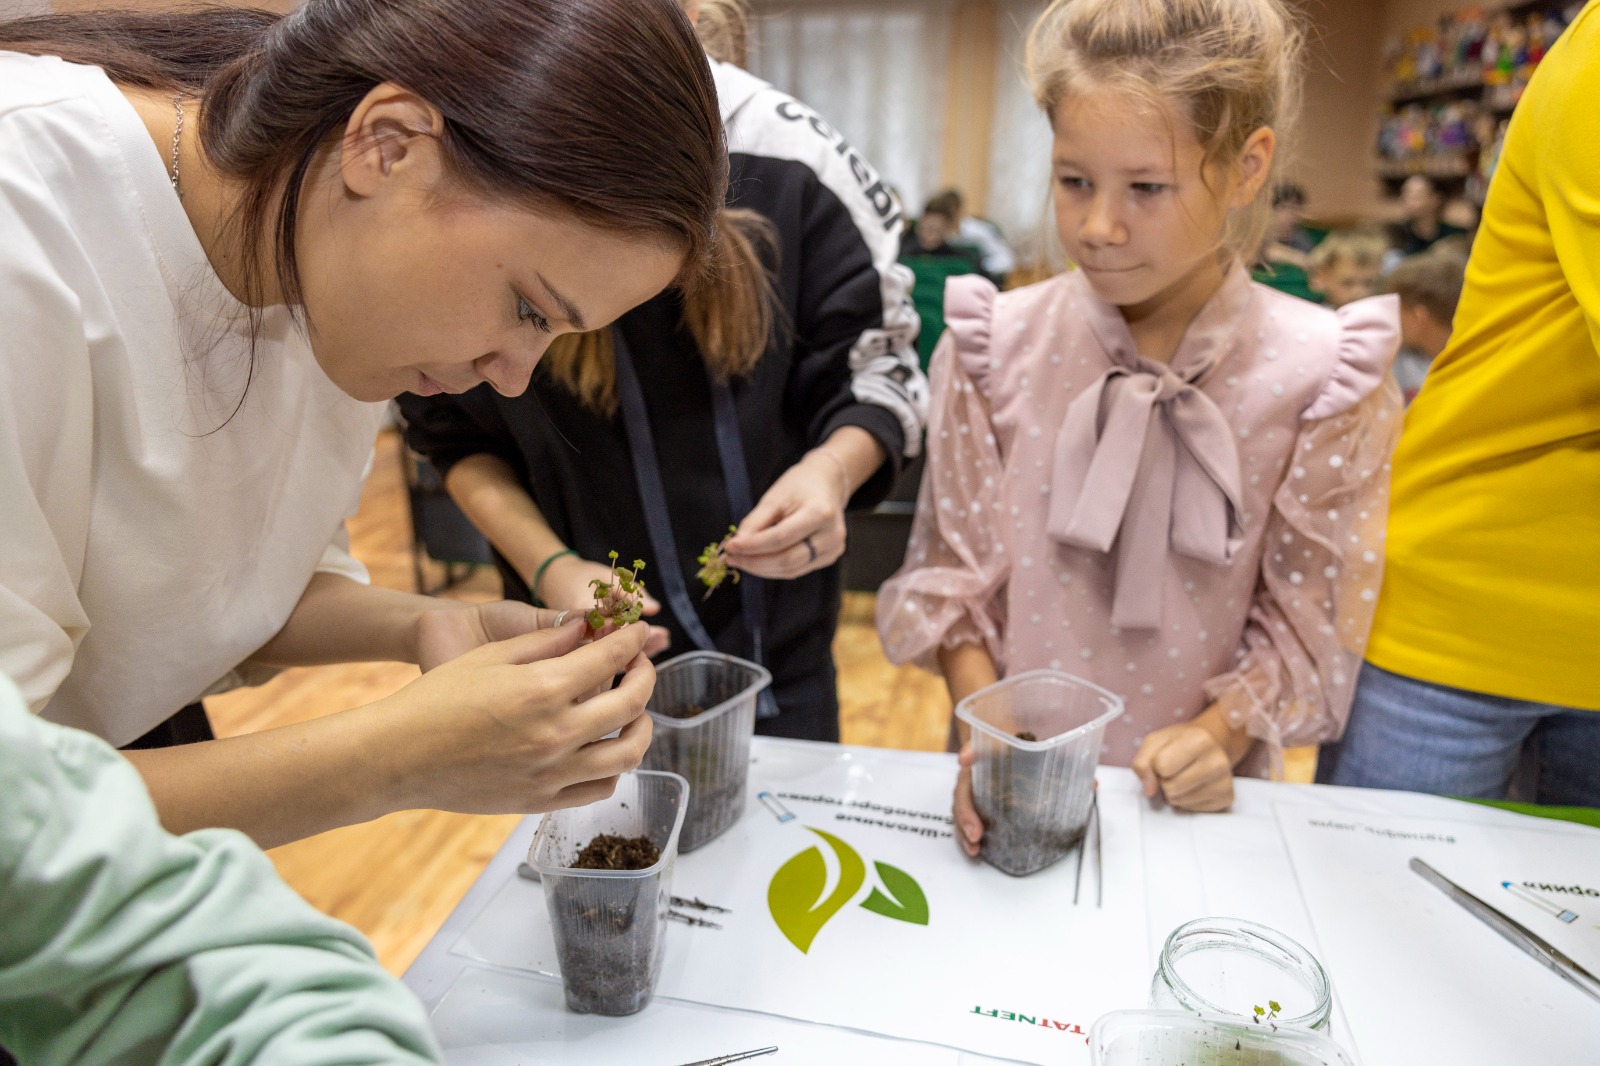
point(1423, 980)
point(885, 926)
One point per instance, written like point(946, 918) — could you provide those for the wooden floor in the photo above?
point(396, 879)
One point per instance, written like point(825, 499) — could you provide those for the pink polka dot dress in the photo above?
point(1209, 530)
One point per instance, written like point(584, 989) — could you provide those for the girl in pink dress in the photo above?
point(1150, 471)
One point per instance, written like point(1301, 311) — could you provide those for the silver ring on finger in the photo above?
point(812, 548)
point(560, 618)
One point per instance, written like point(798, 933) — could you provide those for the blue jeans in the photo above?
point(1421, 737)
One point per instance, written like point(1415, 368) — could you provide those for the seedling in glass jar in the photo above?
point(714, 568)
point(1267, 1014)
point(619, 600)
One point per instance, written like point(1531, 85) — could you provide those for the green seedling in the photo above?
point(714, 568)
point(1268, 1014)
point(619, 600)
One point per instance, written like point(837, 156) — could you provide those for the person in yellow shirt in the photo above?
point(1483, 669)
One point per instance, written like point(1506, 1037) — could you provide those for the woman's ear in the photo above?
point(393, 134)
point(1253, 166)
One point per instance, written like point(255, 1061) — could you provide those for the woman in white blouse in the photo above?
point(225, 238)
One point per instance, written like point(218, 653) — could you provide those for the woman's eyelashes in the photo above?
point(530, 314)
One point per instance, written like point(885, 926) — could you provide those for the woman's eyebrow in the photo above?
point(569, 310)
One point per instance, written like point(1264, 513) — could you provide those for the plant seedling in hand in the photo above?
point(620, 600)
point(714, 568)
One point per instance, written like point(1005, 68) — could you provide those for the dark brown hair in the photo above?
point(601, 108)
point(730, 314)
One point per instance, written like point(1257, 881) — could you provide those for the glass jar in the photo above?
point(1230, 967)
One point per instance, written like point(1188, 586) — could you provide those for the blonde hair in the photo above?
point(729, 314)
point(1361, 247)
point(1228, 67)
point(723, 29)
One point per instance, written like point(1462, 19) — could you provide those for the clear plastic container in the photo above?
point(1178, 1038)
point(704, 708)
point(1226, 967)
point(610, 924)
point(1033, 795)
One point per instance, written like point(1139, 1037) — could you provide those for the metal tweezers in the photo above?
point(1091, 835)
point(739, 1056)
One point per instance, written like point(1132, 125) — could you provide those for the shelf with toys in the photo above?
point(1453, 88)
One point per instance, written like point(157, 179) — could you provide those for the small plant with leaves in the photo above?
point(714, 568)
point(619, 600)
point(1268, 1014)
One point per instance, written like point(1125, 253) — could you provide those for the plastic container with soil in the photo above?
point(1178, 1038)
point(704, 709)
point(610, 925)
point(1036, 737)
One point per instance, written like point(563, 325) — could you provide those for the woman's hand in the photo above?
point(798, 525)
point(520, 725)
point(1192, 763)
point(567, 584)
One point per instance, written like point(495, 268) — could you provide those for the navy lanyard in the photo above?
point(653, 496)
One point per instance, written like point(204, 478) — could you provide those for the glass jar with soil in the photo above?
point(1178, 1038)
point(1036, 737)
point(607, 876)
point(704, 711)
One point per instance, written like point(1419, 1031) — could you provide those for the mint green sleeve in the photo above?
point(122, 943)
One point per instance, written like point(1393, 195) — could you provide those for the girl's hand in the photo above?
point(969, 827)
point(1192, 763)
point(520, 725)
point(798, 525)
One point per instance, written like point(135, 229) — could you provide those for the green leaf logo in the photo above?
point(795, 895)
point(906, 903)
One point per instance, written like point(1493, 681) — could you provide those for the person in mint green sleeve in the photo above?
point(121, 943)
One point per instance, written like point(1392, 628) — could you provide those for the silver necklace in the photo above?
point(177, 136)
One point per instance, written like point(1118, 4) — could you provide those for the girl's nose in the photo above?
point(1103, 224)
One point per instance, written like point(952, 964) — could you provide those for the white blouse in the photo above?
point(151, 536)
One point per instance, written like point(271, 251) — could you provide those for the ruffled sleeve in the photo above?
point(949, 590)
point(1322, 561)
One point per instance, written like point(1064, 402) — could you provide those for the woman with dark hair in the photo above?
point(225, 236)
point(774, 405)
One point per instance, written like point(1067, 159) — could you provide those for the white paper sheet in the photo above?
point(1004, 966)
point(490, 1018)
point(1421, 979)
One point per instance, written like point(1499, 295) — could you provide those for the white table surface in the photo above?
point(494, 1016)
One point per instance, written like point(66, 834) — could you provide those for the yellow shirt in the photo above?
point(1492, 579)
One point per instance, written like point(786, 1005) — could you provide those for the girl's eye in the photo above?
point(526, 312)
point(1068, 182)
point(1148, 188)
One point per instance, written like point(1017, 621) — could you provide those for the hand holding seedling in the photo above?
point(518, 725)
point(1192, 763)
point(798, 524)
point(457, 628)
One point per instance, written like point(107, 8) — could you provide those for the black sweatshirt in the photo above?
point(844, 356)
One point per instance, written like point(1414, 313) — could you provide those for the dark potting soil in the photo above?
point(1020, 832)
point(690, 711)
point(608, 937)
point(716, 786)
point(610, 852)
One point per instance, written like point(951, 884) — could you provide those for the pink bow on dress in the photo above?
point(1147, 462)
